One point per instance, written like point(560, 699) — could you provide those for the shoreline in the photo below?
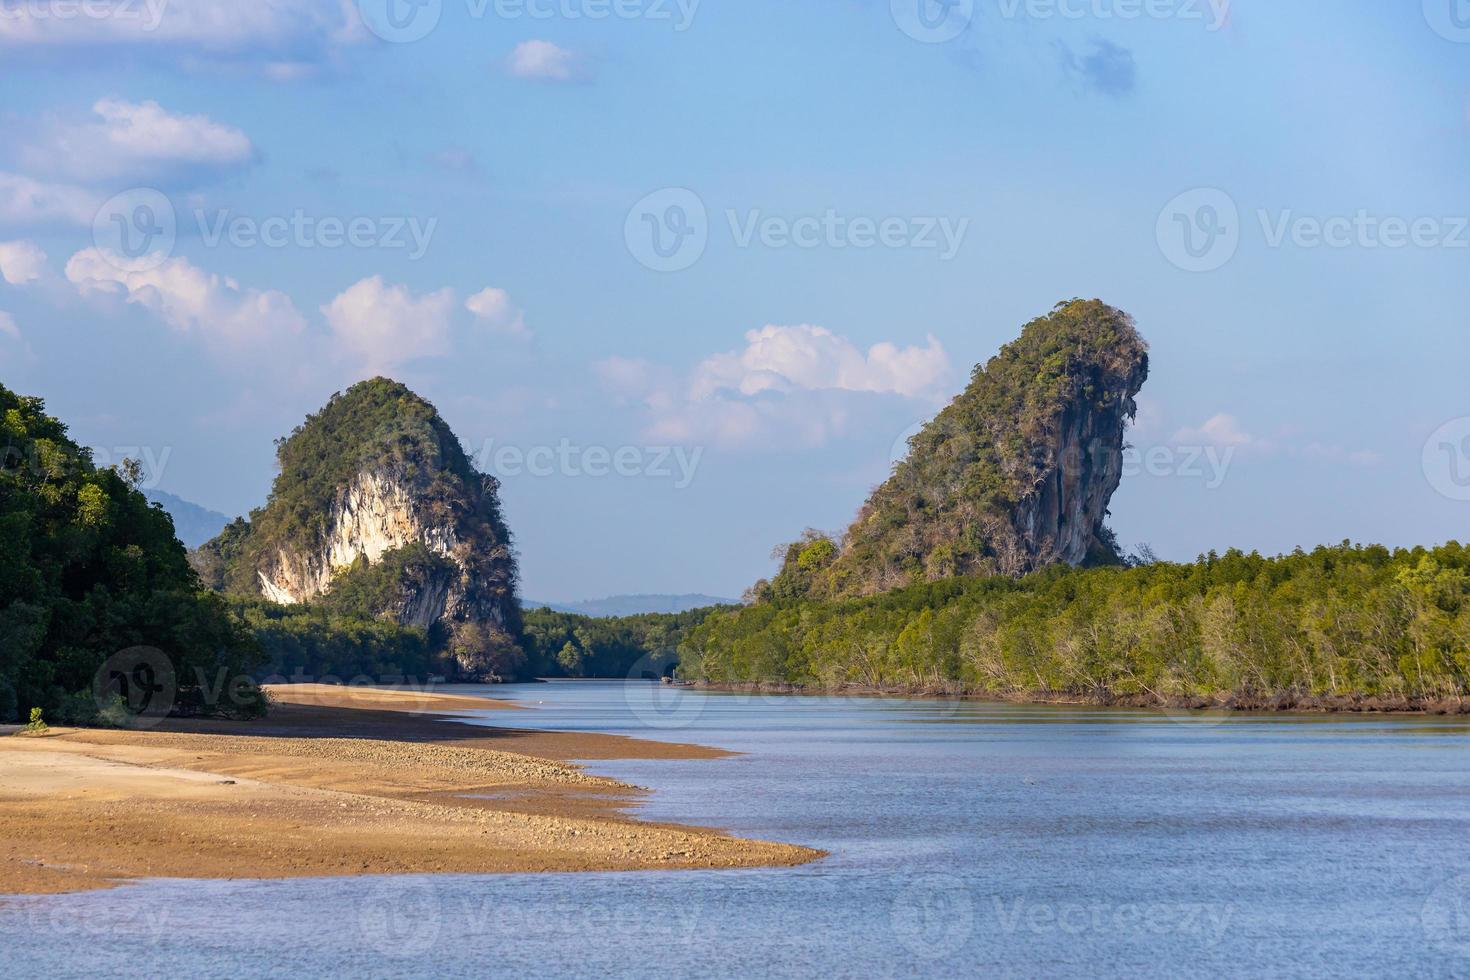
point(1262, 705)
point(337, 782)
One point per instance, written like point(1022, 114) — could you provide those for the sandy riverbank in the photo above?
point(336, 782)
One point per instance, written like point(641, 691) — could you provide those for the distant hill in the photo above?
point(193, 524)
point(632, 605)
point(378, 513)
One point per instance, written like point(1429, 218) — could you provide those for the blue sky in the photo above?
point(1308, 353)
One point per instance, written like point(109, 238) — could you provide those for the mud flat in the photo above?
point(338, 781)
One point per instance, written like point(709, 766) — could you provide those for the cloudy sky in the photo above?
point(684, 274)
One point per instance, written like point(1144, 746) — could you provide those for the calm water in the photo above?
point(970, 839)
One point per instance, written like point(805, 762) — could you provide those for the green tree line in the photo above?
point(90, 570)
point(568, 645)
point(1338, 622)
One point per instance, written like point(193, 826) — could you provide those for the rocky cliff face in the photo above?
point(1061, 520)
point(1014, 475)
point(374, 516)
point(378, 512)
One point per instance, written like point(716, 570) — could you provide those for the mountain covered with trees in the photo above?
point(983, 567)
point(377, 514)
point(1014, 475)
point(89, 571)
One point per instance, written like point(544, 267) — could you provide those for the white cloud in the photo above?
point(814, 358)
point(384, 325)
point(542, 61)
point(493, 307)
point(1338, 454)
point(1224, 431)
point(188, 299)
point(139, 140)
point(8, 327)
point(24, 201)
point(1221, 431)
point(799, 386)
point(222, 26)
point(21, 262)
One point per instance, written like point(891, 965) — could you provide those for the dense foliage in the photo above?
point(315, 643)
point(954, 505)
point(461, 591)
point(1338, 622)
point(89, 569)
point(376, 426)
point(562, 644)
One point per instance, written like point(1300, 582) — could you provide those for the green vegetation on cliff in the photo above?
point(379, 515)
point(377, 426)
point(1015, 474)
point(89, 569)
point(1333, 624)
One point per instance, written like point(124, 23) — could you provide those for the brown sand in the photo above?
point(335, 782)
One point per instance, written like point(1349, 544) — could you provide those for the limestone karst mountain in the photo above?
point(1014, 475)
point(377, 510)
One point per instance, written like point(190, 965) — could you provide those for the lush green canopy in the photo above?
point(89, 569)
point(1337, 622)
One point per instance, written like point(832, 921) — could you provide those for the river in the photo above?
point(966, 838)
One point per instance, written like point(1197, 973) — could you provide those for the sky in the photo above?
point(685, 274)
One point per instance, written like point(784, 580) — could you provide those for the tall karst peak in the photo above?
point(1015, 474)
point(378, 507)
